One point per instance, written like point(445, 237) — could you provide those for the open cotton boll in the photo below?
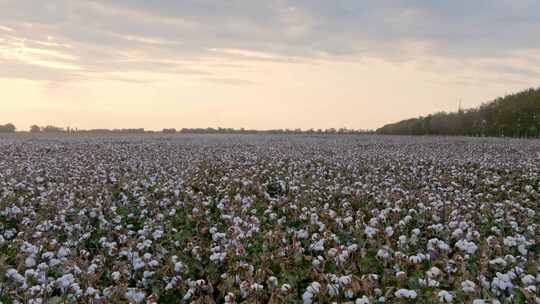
point(405, 293)
point(445, 296)
point(135, 295)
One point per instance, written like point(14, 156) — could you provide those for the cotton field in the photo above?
point(268, 219)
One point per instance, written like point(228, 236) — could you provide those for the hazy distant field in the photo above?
point(260, 218)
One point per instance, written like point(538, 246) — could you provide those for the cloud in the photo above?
point(74, 38)
point(229, 81)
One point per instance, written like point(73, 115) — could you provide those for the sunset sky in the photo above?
point(259, 64)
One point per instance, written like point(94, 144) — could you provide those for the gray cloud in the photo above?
point(168, 36)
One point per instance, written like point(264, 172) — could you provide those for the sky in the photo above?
point(259, 64)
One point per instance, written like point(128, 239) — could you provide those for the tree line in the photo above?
point(54, 129)
point(272, 131)
point(515, 115)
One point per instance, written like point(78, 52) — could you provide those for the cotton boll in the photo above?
point(115, 276)
point(405, 293)
point(468, 286)
point(362, 300)
point(135, 295)
point(30, 262)
point(445, 296)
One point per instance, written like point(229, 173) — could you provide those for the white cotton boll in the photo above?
point(257, 287)
point(90, 291)
point(468, 286)
point(307, 297)
point(383, 254)
point(314, 288)
point(134, 295)
point(272, 281)
point(63, 252)
point(345, 280)
point(370, 231)
point(445, 296)
point(16, 276)
point(92, 268)
point(401, 274)
point(467, 246)
point(498, 262)
point(47, 255)
point(54, 262)
point(389, 231)
point(30, 273)
point(531, 289)
point(332, 290)
point(138, 263)
point(332, 252)
point(402, 240)
point(218, 257)
point(523, 250)
point(30, 262)
point(502, 281)
point(115, 276)
point(65, 281)
point(528, 280)
point(416, 259)
point(285, 288)
point(43, 266)
point(362, 300)
point(405, 293)
point(188, 294)
point(230, 298)
point(456, 234)
point(157, 234)
point(433, 272)
point(429, 282)
point(317, 246)
point(179, 266)
point(443, 246)
point(148, 274)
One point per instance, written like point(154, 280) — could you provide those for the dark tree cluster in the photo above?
point(7, 128)
point(516, 115)
point(169, 131)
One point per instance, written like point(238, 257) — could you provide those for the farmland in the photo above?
point(268, 218)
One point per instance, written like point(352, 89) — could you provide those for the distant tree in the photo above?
point(7, 128)
point(52, 129)
point(169, 131)
point(35, 129)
